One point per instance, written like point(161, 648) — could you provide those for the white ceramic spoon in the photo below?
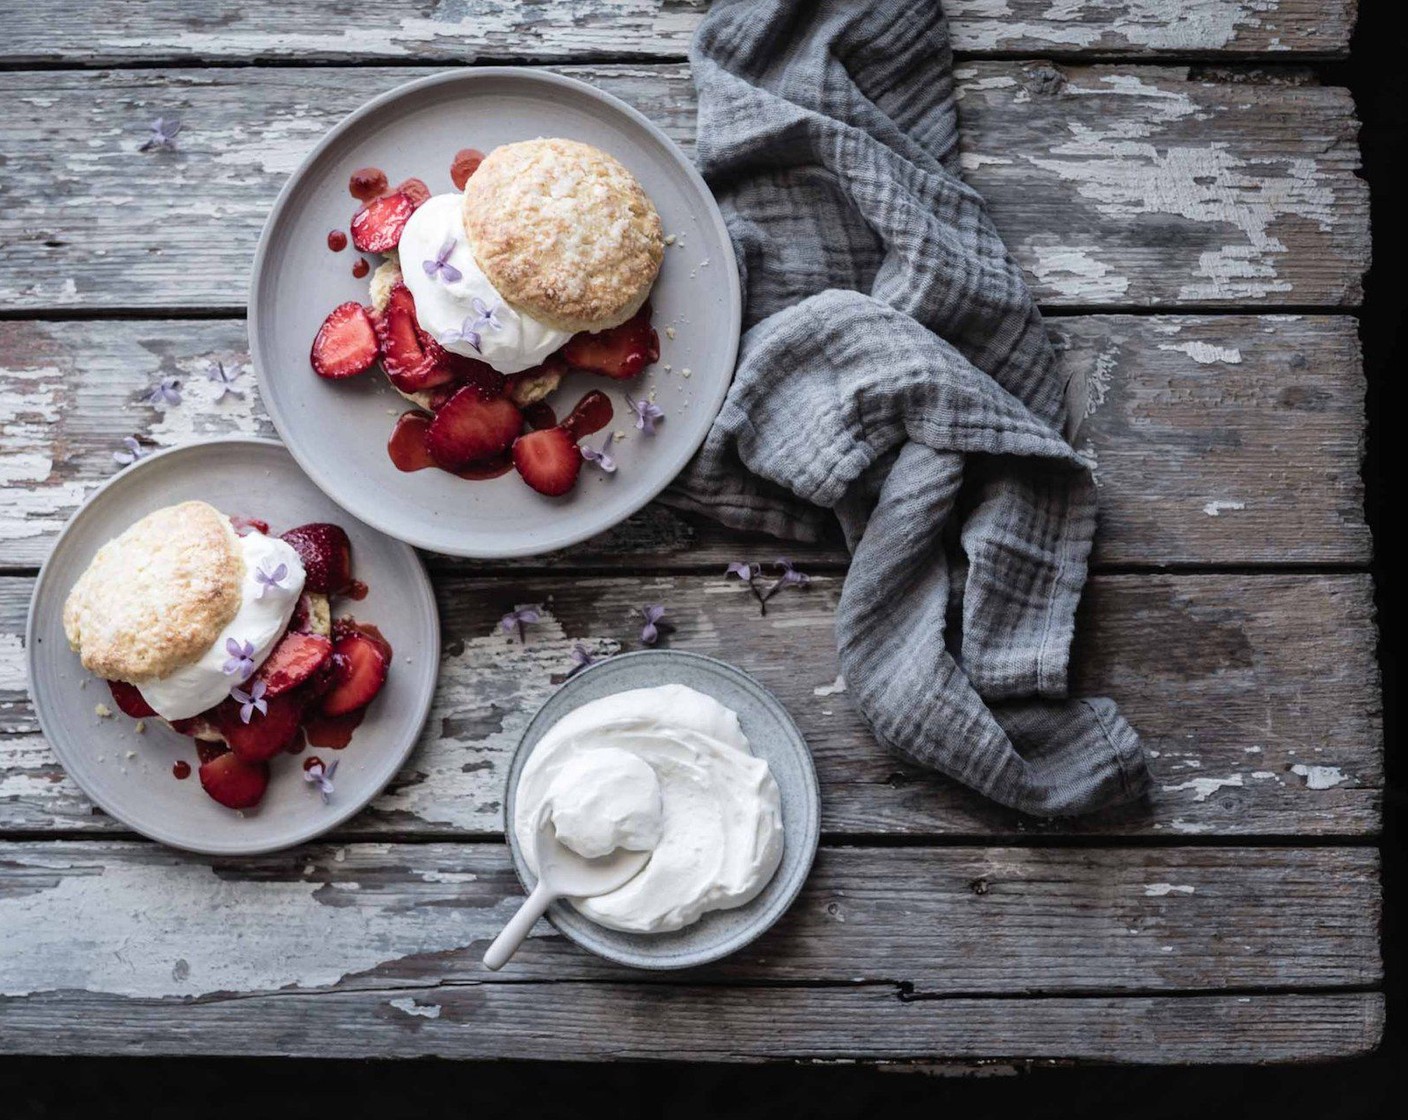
point(562, 873)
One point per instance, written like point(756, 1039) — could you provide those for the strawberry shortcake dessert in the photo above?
point(226, 633)
point(486, 297)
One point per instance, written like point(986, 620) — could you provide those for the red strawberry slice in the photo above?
point(296, 658)
point(346, 343)
point(548, 460)
point(415, 190)
point(361, 671)
point(326, 554)
point(233, 782)
point(470, 427)
point(129, 700)
point(246, 525)
point(267, 733)
point(377, 226)
point(619, 353)
point(412, 359)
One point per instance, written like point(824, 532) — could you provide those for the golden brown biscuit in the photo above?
point(156, 597)
point(564, 232)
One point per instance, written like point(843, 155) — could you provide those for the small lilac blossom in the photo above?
point(251, 701)
point(647, 412)
point(163, 135)
point(743, 571)
point(790, 577)
point(320, 776)
point(241, 660)
point(165, 391)
point(650, 632)
point(269, 580)
point(465, 333)
point(581, 658)
point(133, 452)
point(225, 380)
point(487, 316)
point(520, 616)
point(601, 458)
point(440, 266)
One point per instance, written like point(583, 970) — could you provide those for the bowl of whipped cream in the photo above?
point(692, 760)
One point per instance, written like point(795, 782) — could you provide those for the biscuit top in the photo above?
point(156, 597)
point(564, 232)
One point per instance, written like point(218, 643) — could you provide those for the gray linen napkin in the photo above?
point(894, 375)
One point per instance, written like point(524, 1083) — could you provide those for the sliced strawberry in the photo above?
point(246, 525)
point(361, 671)
point(296, 658)
point(619, 353)
point(346, 343)
point(129, 700)
point(326, 554)
point(415, 190)
point(233, 782)
point(267, 733)
point(470, 427)
point(347, 626)
point(548, 460)
point(412, 359)
point(377, 226)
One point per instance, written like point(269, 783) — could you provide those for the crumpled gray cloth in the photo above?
point(894, 375)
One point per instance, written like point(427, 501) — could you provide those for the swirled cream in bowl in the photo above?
point(666, 770)
point(691, 760)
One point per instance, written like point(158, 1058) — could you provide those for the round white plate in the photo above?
point(772, 736)
point(129, 775)
point(338, 430)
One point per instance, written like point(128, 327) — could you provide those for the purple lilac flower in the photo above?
point(603, 457)
point(520, 616)
point(743, 571)
point(790, 577)
point(487, 318)
point(166, 391)
point(581, 658)
point(241, 660)
point(469, 330)
point(225, 380)
point(251, 701)
point(316, 774)
point(440, 266)
point(650, 632)
point(267, 580)
point(647, 412)
point(133, 452)
point(163, 135)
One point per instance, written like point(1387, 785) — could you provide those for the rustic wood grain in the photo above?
point(1215, 439)
point(650, 1022)
point(928, 921)
point(1114, 186)
point(1257, 696)
point(111, 32)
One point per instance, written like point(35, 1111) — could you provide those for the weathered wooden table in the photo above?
point(1182, 192)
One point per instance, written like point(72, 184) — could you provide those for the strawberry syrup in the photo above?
point(360, 267)
point(592, 413)
point(181, 770)
point(367, 183)
point(337, 240)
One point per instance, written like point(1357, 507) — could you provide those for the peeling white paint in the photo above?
point(1205, 353)
point(1159, 890)
point(836, 686)
point(1073, 272)
point(1319, 777)
point(420, 1010)
point(1219, 506)
point(1203, 788)
point(1079, 24)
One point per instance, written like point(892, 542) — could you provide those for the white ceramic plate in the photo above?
point(771, 734)
point(338, 430)
point(129, 775)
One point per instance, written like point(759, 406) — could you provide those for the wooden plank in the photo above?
point(1215, 439)
point(110, 32)
point(651, 1022)
point(928, 921)
point(1114, 186)
point(1257, 696)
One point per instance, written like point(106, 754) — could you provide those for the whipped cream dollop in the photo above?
point(720, 826)
point(265, 609)
point(465, 313)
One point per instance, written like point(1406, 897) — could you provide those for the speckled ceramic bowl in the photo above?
point(772, 735)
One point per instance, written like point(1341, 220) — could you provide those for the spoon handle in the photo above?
point(507, 943)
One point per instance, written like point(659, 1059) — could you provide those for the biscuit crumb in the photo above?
point(670, 333)
point(669, 239)
point(103, 711)
point(140, 726)
point(686, 371)
point(131, 754)
point(618, 436)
